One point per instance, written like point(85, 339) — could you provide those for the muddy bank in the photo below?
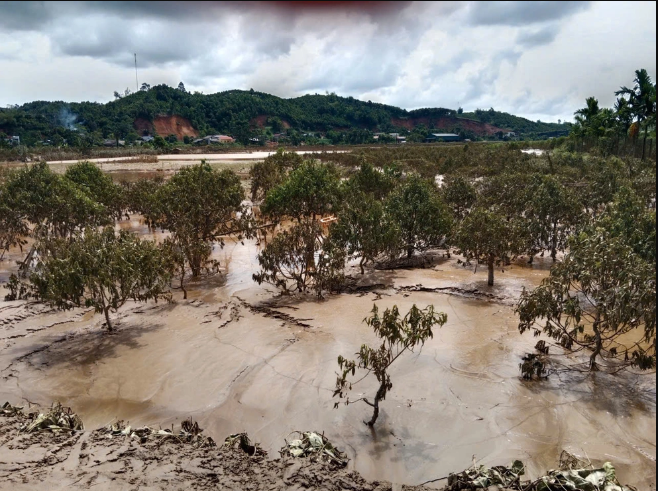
point(116, 462)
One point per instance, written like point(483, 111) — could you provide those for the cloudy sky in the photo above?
point(535, 59)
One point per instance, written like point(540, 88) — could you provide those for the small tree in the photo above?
point(301, 259)
point(601, 291)
point(398, 335)
point(363, 229)
point(201, 206)
point(56, 206)
point(272, 172)
point(303, 255)
point(553, 212)
point(460, 195)
point(100, 269)
point(312, 190)
point(485, 236)
point(13, 229)
point(98, 185)
point(422, 218)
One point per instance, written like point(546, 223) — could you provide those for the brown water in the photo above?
point(223, 358)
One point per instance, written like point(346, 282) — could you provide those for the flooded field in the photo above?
point(239, 357)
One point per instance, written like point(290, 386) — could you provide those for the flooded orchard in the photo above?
point(237, 357)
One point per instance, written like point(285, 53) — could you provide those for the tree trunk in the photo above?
point(182, 283)
point(644, 143)
point(381, 392)
point(554, 242)
point(106, 311)
point(598, 348)
point(410, 251)
point(490, 266)
point(361, 265)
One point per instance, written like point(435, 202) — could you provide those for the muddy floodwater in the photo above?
point(239, 357)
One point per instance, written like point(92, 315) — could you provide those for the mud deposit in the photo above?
point(239, 358)
point(96, 459)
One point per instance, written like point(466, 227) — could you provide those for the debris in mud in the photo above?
point(452, 290)
point(533, 367)
point(190, 433)
point(242, 441)
point(57, 420)
point(481, 477)
point(314, 446)
point(564, 479)
point(9, 410)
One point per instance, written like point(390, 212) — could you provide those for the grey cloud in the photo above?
point(531, 39)
point(522, 13)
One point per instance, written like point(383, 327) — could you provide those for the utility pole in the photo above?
point(136, 81)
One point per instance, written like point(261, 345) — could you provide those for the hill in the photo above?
point(242, 114)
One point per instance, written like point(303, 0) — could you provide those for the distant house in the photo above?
point(213, 140)
point(510, 134)
point(14, 140)
point(445, 137)
point(148, 138)
point(110, 142)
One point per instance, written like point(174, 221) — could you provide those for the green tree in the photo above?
point(419, 213)
point(13, 227)
point(600, 292)
point(54, 205)
point(142, 197)
point(460, 195)
point(312, 190)
point(374, 181)
point(272, 172)
point(200, 206)
point(398, 335)
point(98, 185)
point(301, 259)
point(100, 269)
point(642, 101)
point(363, 229)
point(485, 236)
point(553, 213)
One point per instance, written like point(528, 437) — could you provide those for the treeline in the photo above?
point(618, 130)
point(231, 112)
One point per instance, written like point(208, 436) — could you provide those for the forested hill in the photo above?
point(243, 114)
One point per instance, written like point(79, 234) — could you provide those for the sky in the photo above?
point(539, 60)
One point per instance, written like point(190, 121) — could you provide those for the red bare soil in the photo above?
point(447, 123)
point(165, 126)
point(261, 121)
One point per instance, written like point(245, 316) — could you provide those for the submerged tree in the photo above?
point(423, 220)
point(98, 185)
point(100, 269)
point(601, 291)
point(201, 206)
point(310, 191)
point(460, 195)
point(552, 213)
point(399, 335)
point(272, 172)
point(485, 236)
point(301, 259)
point(13, 228)
point(363, 229)
point(55, 206)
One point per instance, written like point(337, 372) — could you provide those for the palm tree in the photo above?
point(585, 116)
point(642, 100)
